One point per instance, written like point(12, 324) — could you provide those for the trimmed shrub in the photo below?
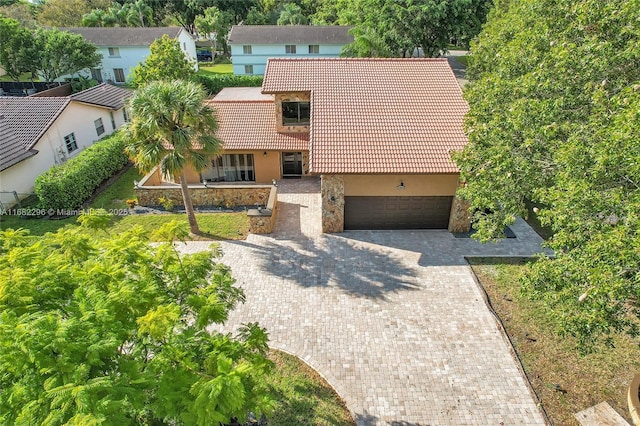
point(214, 84)
point(68, 185)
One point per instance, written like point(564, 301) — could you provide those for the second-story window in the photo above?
point(295, 113)
point(314, 49)
point(246, 49)
point(114, 51)
point(290, 48)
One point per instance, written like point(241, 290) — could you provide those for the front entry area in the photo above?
point(427, 212)
point(291, 164)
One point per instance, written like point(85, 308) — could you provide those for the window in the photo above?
point(290, 48)
point(246, 50)
point(184, 46)
point(96, 74)
point(114, 51)
point(70, 143)
point(230, 168)
point(125, 116)
point(113, 120)
point(99, 126)
point(295, 113)
point(119, 75)
point(314, 49)
point(248, 69)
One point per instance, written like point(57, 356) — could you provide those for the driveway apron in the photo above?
point(394, 320)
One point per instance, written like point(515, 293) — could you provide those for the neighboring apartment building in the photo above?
point(252, 45)
point(123, 49)
point(37, 133)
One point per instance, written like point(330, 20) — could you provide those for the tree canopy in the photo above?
point(406, 25)
point(165, 62)
point(61, 53)
point(113, 331)
point(18, 51)
point(66, 13)
point(130, 14)
point(555, 121)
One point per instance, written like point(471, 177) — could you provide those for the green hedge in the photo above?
point(68, 185)
point(215, 84)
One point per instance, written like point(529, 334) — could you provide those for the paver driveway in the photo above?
point(392, 319)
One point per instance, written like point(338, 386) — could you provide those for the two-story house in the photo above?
point(123, 49)
point(379, 133)
point(252, 45)
point(37, 133)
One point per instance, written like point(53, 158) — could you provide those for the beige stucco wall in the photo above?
point(290, 97)
point(386, 185)
point(266, 168)
point(77, 118)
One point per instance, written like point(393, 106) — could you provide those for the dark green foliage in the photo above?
point(214, 84)
point(115, 332)
point(68, 185)
point(555, 121)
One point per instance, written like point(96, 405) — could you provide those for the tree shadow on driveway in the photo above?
point(357, 268)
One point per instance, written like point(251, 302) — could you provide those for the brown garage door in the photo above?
point(397, 212)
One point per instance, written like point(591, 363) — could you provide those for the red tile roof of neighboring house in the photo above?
point(376, 115)
point(249, 123)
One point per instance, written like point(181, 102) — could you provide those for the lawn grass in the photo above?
point(116, 195)
point(464, 60)
point(25, 78)
point(214, 226)
point(216, 69)
point(552, 359)
point(302, 396)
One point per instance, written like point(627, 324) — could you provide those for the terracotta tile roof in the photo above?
point(250, 125)
point(290, 34)
point(376, 115)
point(121, 36)
point(104, 95)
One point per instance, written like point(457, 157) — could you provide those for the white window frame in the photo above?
point(314, 49)
point(290, 49)
point(70, 143)
point(99, 126)
point(114, 52)
point(247, 49)
point(115, 75)
point(248, 69)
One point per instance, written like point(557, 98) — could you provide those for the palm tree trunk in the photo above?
point(188, 205)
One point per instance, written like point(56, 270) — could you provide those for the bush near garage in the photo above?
point(214, 84)
point(68, 185)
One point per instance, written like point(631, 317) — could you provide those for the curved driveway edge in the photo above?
point(392, 319)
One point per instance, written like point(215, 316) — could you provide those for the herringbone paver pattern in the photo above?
point(392, 319)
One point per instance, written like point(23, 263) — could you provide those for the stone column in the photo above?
point(460, 218)
point(332, 192)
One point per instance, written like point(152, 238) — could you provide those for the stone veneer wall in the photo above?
point(332, 192)
point(226, 196)
point(263, 221)
point(460, 218)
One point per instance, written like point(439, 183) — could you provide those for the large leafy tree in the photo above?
point(114, 331)
point(172, 128)
point(291, 14)
point(406, 25)
point(62, 53)
point(66, 13)
point(555, 121)
point(215, 24)
point(165, 62)
point(18, 52)
point(130, 14)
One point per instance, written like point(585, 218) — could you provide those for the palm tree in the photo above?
point(291, 15)
point(173, 128)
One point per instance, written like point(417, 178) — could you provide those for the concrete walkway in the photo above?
point(394, 320)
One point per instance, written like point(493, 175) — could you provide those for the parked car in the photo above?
point(204, 55)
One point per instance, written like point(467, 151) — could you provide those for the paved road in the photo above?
point(394, 320)
point(459, 69)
